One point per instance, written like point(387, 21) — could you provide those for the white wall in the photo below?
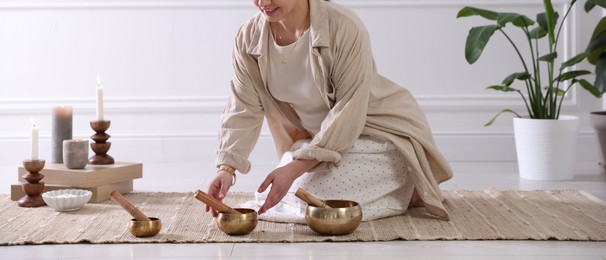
point(165, 66)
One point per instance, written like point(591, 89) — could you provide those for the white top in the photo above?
point(290, 80)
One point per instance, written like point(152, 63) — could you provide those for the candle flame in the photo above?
point(98, 79)
point(32, 121)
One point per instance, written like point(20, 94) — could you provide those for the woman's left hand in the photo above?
point(281, 179)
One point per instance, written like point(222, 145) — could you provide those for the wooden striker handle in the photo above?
point(311, 200)
point(215, 203)
point(130, 208)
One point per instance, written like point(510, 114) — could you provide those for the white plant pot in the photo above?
point(546, 149)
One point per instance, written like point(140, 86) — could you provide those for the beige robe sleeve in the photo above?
point(242, 118)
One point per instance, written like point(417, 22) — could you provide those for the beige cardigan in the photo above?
point(362, 102)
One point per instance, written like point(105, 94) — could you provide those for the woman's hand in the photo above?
point(219, 187)
point(281, 179)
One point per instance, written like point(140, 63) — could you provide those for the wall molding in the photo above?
point(116, 104)
point(15, 106)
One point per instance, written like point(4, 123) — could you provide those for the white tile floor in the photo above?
point(479, 175)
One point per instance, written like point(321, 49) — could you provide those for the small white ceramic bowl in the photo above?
point(67, 200)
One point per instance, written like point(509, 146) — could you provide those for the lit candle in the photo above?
point(34, 140)
point(99, 99)
point(62, 119)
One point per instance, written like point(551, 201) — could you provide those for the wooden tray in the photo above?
point(89, 177)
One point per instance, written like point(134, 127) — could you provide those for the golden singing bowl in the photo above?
point(237, 224)
point(343, 217)
point(145, 228)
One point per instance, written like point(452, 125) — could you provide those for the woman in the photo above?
point(306, 66)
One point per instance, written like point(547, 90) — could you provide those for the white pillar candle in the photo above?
point(34, 140)
point(99, 99)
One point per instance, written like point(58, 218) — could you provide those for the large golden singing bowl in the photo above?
point(145, 228)
point(237, 224)
point(343, 217)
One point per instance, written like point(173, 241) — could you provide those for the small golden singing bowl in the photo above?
point(343, 217)
point(237, 224)
point(145, 228)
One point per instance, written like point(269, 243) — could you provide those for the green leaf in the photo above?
point(502, 88)
point(591, 88)
point(601, 3)
point(574, 60)
point(599, 28)
point(504, 18)
point(549, 57)
point(572, 74)
point(550, 17)
point(600, 74)
point(471, 11)
point(497, 115)
point(542, 20)
point(588, 6)
point(537, 33)
point(597, 44)
point(477, 39)
point(518, 75)
point(596, 48)
point(516, 19)
point(522, 21)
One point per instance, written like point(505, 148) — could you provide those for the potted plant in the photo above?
point(545, 140)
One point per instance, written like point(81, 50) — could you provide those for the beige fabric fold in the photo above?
point(475, 215)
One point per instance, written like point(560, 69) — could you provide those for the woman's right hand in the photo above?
point(219, 187)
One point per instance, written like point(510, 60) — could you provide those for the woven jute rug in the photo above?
point(475, 215)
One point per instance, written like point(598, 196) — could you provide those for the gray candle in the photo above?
point(61, 130)
point(75, 153)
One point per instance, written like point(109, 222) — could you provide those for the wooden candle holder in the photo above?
point(100, 146)
point(215, 203)
point(33, 188)
point(130, 208)
point(311, 200)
